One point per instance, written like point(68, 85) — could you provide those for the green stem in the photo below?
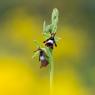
point(51, 76)
point(51, 69)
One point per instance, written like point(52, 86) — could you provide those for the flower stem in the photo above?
point(51, 70)
point(51, 76)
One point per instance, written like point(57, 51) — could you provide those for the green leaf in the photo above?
point(35, 54)
point(54, 28)
point(48, 28)
point(55, 15)
point(44, 26)
point(46, 35)
point(44, 49)
point(37, 44)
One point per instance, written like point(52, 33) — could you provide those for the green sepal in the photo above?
point(35, 54)
point(37, 44)
point(47, 35)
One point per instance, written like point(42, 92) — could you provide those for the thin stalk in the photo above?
point(51, 76)
point(51, 69)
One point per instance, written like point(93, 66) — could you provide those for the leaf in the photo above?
point(37, 44)
point(35, 54)
point(54, 28)
point(55, 15)
point(48, 28)
point(44, 26)
point(54, 18)
point(47, 35)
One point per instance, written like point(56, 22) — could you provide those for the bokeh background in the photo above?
point(21, 22)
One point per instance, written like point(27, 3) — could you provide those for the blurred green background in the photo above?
point(21, 22)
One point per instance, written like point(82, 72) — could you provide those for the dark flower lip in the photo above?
point(44, 63)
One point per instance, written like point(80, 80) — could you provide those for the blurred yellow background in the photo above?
point(21, 22)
